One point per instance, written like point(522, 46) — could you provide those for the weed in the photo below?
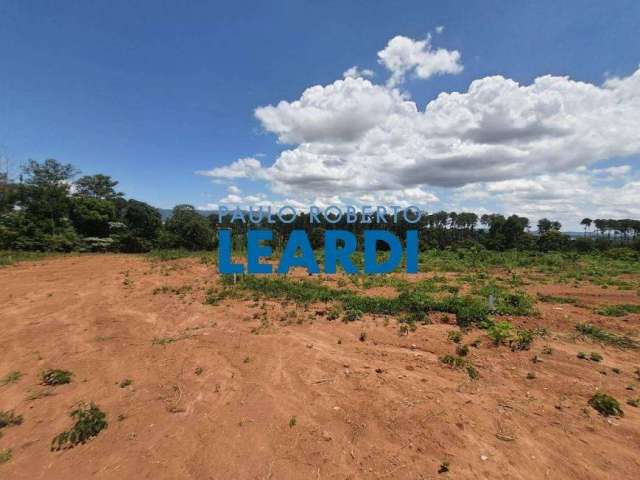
point(293, 421)
point(531, 376)
point(11, 377)
point(618, 310)
point(352, 314)
point(476, 343)
point(606, 405)
point(556, 299)
point(472, 372)
point(246, 360)
point(180, 291)
point(634, 402)
point(363, 336)
point(9, 419)
point(89, 421)
point(453, 361)
point(500, 332)
point(125, 383)
point(198, 371)
point(582, 355)
point(333, 313)
point(462, 350)
point(595, 357)
point(5, 455)
point(547, 350)
point(455, 336)
point(604, 336)
point(522, 340)
point(616, 371)
point(56, 377)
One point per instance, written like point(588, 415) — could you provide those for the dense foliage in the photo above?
point(45, 209)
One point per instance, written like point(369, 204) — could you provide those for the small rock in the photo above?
point(484, 458)
point(326, 436)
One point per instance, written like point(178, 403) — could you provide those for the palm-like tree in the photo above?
point(586, 222)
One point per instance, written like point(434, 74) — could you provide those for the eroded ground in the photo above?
point(263, 388)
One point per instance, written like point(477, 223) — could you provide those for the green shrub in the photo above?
point(595, 357)
point(89, 422)
point(606, 405)
point(56, 377)
point(462, 350)
point(352, 314)
point(522, 340)
point(455, 336)
point(500, 332)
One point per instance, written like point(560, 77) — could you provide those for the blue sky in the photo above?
point(150, 93)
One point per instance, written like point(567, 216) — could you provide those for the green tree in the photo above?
point(97, 186)
point(91, 216)
point(188, 229)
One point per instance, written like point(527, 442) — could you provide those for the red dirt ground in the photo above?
point(383, 408)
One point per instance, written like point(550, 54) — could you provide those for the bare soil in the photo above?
point(282, 399)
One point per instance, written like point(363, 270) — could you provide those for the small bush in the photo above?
point(500, 332)
point(522, 340)
point(352, 314)
point(455, 336)
point(582, 355)
point(595, 357)
point(462, 350)
point(90, 421)
point(56, 377)
point(453, 361)
point(472, 372)
point(606, 405)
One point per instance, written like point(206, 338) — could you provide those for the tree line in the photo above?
point(50, 207)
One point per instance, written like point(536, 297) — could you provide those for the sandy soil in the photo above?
point(382, 408)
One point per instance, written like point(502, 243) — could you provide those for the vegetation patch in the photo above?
point(557, 299)
point(606, 405)
point(596, 333)
point(56, 377)
point(89, 422)
point(618, 310)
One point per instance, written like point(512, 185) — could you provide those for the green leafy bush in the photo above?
point(56, 377)
point(606, 405)
point(89, 421)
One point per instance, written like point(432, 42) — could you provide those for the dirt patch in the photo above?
point(213, 390)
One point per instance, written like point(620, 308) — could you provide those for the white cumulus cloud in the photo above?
point(403, 55)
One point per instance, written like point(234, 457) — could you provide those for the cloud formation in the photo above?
point(356, 139)
point(403, 55)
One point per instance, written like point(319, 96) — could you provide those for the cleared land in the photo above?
point(205, 379)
